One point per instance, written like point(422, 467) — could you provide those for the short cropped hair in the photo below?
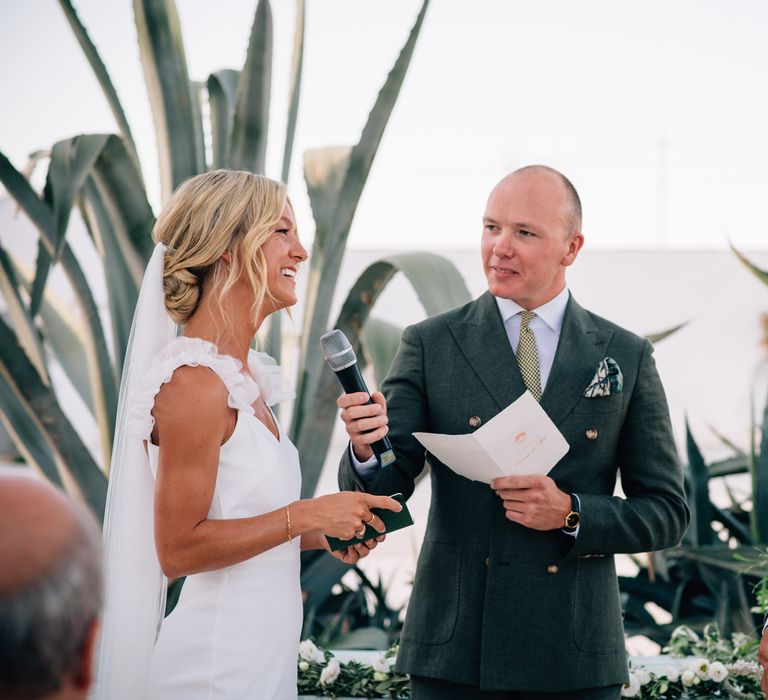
point(44, 623)
point(574, 217)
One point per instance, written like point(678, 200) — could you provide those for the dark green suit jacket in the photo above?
point(495, 604)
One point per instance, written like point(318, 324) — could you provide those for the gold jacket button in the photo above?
point(552, 569)
point(475, 421)
point(591, 434)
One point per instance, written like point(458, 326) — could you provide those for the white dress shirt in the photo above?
point(546, 327)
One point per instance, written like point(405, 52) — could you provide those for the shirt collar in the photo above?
point(552, 313)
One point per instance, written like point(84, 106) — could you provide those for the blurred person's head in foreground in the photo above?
point(50, 590)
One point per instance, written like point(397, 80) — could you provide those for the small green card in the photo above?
point(392, 521)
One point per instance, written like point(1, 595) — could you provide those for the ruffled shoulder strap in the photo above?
point(269, 377)
point(242, 389)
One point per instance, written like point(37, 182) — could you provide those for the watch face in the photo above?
point(572, 520)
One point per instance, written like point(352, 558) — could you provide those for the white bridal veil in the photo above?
point(135, 585)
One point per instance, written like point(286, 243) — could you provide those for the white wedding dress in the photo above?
point(234, 632)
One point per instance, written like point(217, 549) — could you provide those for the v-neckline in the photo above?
point(277, 438)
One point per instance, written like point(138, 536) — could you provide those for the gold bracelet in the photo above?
point(288, 519)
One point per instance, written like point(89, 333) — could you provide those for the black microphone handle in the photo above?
point(352, 382)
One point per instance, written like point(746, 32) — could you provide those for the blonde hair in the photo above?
point(208, 215)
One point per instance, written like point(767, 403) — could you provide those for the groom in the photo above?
point(515, 595)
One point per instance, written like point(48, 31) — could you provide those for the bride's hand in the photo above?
point(345, 515)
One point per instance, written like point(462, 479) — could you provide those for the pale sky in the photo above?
point(656, 110)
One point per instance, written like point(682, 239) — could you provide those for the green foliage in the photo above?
point(718, 572)
point(320, 673)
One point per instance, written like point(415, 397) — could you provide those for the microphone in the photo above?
point(341, 358)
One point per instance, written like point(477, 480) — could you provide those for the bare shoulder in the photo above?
point(195, 396)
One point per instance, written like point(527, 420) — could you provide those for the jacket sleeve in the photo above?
point(653, 515)
point(407, 409)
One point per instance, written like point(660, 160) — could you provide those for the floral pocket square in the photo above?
point(607, 380)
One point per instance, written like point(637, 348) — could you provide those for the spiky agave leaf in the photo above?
point(165, 73)
point(250, 122)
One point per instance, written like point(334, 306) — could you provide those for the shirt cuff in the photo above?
point(365, 470)
point(571, 533)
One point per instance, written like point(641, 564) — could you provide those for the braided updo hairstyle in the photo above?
point(220, 211)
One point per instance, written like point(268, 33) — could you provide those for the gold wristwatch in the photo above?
point(573, 517)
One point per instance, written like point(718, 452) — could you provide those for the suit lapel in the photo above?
point(580, 348)
point(483, 340)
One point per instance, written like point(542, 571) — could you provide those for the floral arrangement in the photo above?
point(713, 668)
point(321, 673)
point(720, 668)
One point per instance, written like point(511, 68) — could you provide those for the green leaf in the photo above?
point(222, 93)
point(759, 467)
point(726, 467)
point(657, 337)
point(35, 208)
point(248, 147)
point(24, 428)
point(762, 275)
point(122, 288)
point(21, 319)
point(439, 287)
point(297, 64)
point(65, 336)
point(361, 158)
point(196, 97)
point(381, 340)
point(742, 559)
point(102, 75)
point(119, 182)
point(165, 73)
point(700, 529)
point(62, 439)
point(71, 162)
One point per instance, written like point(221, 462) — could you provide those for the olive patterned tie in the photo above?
point(528, 356)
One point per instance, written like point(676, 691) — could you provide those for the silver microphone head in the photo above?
point(337, 350)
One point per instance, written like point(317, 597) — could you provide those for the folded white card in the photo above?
point(520, 440)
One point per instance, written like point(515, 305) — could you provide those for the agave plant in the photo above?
point(716, 572)
point(100, 175)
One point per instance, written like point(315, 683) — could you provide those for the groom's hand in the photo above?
point(365, 423)
point(533, 501)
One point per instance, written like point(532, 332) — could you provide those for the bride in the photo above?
point(204, 483)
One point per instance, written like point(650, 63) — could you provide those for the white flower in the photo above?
point(700, 667)
point(642, 676)
point(380, 676)
point(745, 669)
point(303, 665)
point(717, 672)
point(689, 678)
point(629, 690)
point(383, 664)
point(309, 652)
point(330, 673)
